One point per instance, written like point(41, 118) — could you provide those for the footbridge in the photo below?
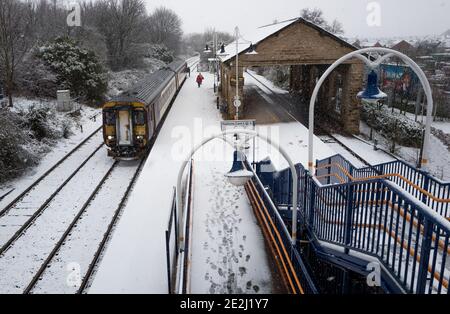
point(379, 229)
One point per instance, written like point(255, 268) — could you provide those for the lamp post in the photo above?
point(239, 179)
point(237, 102)
point(359, 54)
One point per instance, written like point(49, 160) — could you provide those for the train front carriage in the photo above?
point(131, 120)
point(125, 129)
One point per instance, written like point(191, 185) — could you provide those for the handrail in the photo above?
point(440, 200)
point(281, 232)
point(418, 183)
point(377, 217)
point(183, 252)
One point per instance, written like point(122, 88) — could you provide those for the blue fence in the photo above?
point(283, 240)
point(431, 191)
point(374, 217)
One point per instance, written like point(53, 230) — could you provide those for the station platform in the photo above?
point(135, 258)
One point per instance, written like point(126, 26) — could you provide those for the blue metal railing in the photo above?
point(377, 218)
point(307, 284)
point(420, 184)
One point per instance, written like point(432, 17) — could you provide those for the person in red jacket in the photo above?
point(200, 79)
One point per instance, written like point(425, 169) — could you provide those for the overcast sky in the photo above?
point(397, 18)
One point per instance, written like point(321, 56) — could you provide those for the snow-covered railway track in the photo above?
point(22, 214)
point(68, 267)
point(61, 166)
point(29, 234)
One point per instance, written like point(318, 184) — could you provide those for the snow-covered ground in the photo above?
point(64, 272)
point(365, 150)
point(441, 125)
point(269, 83)
point(139, 242)
point(135, 259)
point(228, 253)
point(26, 255)
point(56, 152)
point(439, 156)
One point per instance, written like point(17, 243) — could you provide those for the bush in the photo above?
point(36, 79)
point(14, 155)
point(160, 52)
point(393, 126)
point(26, 135)
point(76, 68)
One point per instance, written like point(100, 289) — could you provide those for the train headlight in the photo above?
point(111, 138)
point(140, 137)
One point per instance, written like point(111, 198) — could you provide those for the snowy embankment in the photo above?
point(82, 126)
point(119, 82)
point(439, 157)
point(365, 150)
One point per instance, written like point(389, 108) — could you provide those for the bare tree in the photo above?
point(335, 28)
point(120, 22)
point(165, 28)
point(16, 19)
point(316, 16)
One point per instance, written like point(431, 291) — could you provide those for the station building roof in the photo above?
point(264, 32)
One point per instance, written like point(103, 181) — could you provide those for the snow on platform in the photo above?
point(228, 250)
point(135, 259)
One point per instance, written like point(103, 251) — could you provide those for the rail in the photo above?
point(375, 217)
point(420, 184)
point(291, 266)
point(182, 253)
point(171, 234)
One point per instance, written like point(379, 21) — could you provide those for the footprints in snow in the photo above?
point(227, 269)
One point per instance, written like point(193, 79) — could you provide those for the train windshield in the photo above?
point(139, 117)
point(110, 118)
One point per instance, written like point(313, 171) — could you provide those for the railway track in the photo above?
point(51, 276)
point(80, 235)
point(46, 174)
point(21, 213)
point(327, 137)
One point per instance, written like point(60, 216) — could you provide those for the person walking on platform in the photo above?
point(200, 79)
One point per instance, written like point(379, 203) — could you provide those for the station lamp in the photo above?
point(372, 93)
point(238, 175)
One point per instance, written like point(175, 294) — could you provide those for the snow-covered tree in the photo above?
point(76, 68)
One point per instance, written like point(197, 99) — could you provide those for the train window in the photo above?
point(139, 117)
point(110, 118)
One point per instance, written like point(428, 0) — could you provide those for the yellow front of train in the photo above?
point(125, 129)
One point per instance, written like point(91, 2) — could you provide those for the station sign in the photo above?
point(238, 124)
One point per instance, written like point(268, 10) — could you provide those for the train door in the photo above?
point(124, 128)
point(151, 120)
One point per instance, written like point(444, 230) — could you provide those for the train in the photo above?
point(131, 120)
